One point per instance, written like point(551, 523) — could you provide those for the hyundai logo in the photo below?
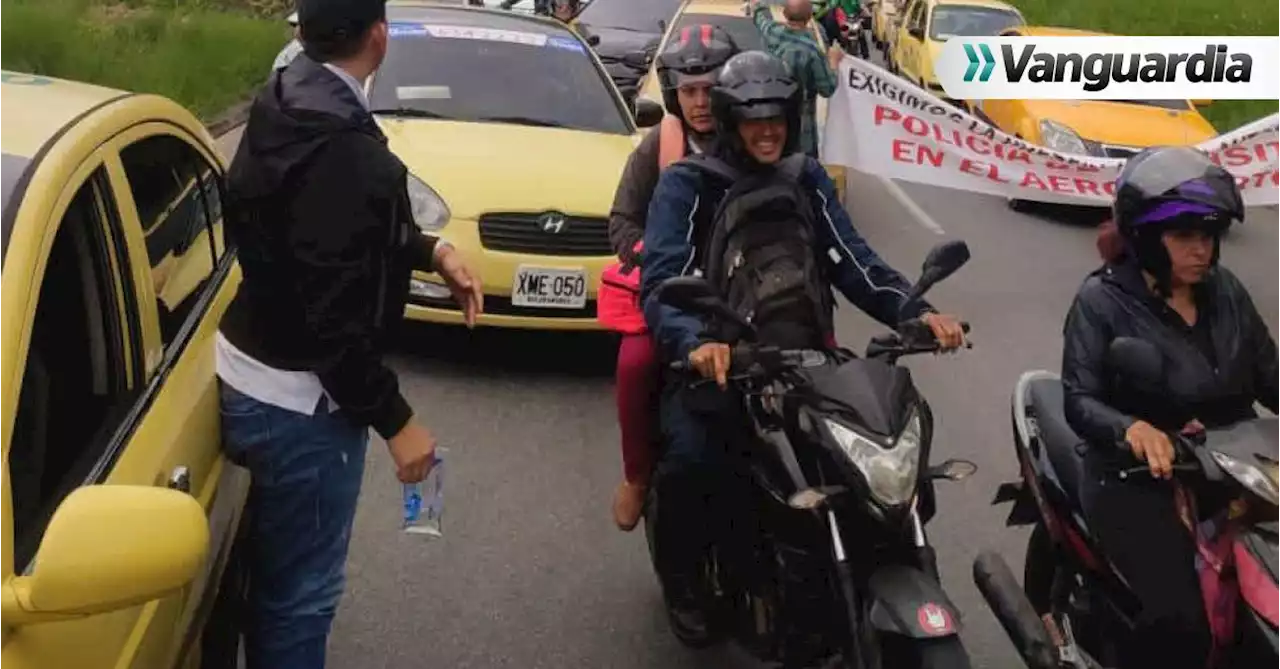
point(553, 222)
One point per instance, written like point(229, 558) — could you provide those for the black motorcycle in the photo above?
point(1076, 610)
point(821, 558)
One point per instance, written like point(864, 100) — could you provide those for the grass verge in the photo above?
point(204, 57)
point(1170, 17)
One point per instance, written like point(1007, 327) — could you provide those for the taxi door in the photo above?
point(909, 46)
point(170, 193)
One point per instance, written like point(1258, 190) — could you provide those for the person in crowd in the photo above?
point(319, 211)
point(687, 69)
point(794, 44)
point(1162, 282)
point(290, 50)
point(757, 108)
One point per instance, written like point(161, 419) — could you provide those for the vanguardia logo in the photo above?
point(1109, 68)
point(988, 62)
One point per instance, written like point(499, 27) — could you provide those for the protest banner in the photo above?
point(880, 124)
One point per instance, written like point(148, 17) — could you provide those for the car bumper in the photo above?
point(429, 299)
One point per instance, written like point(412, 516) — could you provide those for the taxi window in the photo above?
point(963, 21)
point(11, 170)
point(536, 79)
point(741, 28)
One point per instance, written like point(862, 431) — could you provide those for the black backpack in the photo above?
point(761, 253)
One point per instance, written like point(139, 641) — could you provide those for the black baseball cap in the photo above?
point(337, 19)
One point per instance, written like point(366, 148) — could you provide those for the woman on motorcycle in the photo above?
point(687, 68)
point(1162, 283)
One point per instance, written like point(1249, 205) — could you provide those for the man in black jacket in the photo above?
point(321, 215)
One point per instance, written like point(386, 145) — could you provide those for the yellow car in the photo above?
point(119, 512)
point(927, 24)
point(1115, 129)
point(515, 139)
point(730, 15)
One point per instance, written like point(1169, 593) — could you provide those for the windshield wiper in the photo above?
point(521, 120)
point(411, 112)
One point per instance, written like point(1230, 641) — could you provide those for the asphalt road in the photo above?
point(532, 572)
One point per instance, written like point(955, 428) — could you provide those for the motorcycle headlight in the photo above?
point(1250, 476)
point(890, 472)
point(1060, 138)
point(429, 210)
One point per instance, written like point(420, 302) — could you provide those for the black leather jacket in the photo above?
point(1213, 374)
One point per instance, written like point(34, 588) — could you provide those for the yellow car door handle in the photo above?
point(180, 479)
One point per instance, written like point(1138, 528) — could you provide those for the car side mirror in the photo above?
point(109, 547)
point(648, 113)
point(695, 295)
point(915, 32)
point(1136, 359)
point(943, 261)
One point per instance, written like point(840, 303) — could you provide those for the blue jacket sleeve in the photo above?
point(668, 252)
point(864, 279)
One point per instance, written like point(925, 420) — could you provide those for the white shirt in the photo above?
point(295, 391)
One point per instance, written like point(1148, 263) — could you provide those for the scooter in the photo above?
point(1084, 605)
point(820, 554)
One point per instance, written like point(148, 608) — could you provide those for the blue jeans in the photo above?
point(306, 479)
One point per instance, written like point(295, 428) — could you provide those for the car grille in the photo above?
point(526, 233)
point(1112, 151)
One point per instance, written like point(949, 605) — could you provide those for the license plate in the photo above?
point(549, 288)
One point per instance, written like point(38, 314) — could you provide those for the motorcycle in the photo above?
point(1083, 604)
point(821, 554)
point(854, 34)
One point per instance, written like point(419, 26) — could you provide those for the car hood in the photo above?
point(481, 167)
point(618, 42)
point(1125, 124)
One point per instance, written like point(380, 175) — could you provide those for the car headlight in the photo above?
point(1262, 483)
point(1060, 138)
point(890, 472)
point(429, 210)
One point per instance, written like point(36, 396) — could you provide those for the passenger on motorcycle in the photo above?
point(1162, 283)
point(756, 106)
point(686, 69)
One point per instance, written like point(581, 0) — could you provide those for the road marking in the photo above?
point(924, 219)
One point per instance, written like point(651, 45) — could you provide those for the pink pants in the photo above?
point(636, 386)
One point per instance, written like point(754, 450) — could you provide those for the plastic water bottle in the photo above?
point(424, 502)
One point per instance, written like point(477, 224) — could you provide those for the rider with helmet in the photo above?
point(756, 106)
point(1162, 283)
point(686, 69)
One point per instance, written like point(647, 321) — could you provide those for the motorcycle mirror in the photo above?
point(953, 470)
point(696, 295)
point(943, 261)
point(1137, 359)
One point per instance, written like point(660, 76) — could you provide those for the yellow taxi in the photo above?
point(515, 139)
point(926, 24)
point(1108, 128)
point(119, 513)
point(731, 16)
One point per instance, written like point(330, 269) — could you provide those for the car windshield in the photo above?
point(11, 170)
point(435, 71)
point(1178, 105)
point(741, 28)
point(963, 21)
point(637, 15)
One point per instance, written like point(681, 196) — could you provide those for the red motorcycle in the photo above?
point(1076, 611)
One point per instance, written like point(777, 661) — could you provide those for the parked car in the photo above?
point(519, 177)
point(930, 23)
point(627, 34)
point(121, 517)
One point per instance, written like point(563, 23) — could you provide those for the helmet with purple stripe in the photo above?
point(1172, 188)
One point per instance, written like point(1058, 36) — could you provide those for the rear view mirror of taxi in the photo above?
point(109, 547)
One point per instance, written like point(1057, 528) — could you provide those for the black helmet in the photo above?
point(695, 54)
point(755, 85)
point(1167, 188)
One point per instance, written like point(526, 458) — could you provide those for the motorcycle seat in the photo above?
point(1061, 444)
